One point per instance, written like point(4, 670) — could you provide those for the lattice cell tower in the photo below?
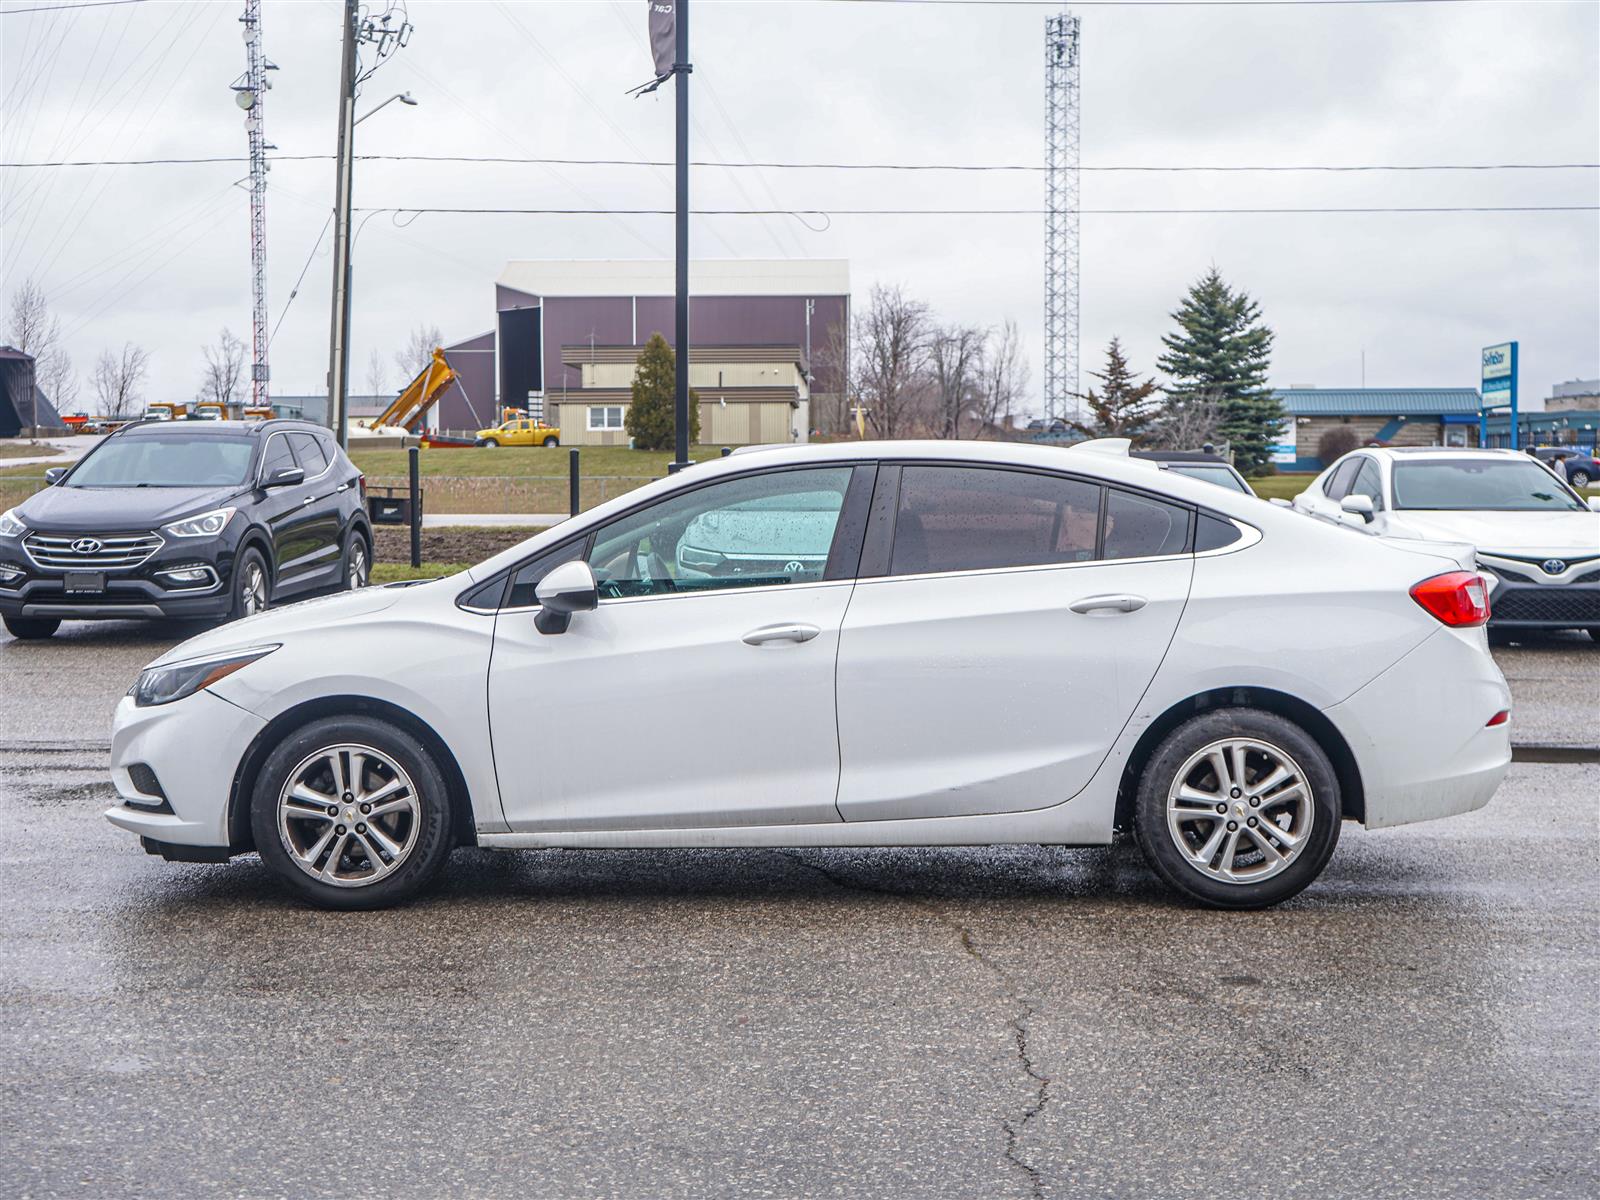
point(249, 92)
point(1061, 216)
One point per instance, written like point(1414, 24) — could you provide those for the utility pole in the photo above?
point(249, 93)
point(339, 338)
point(682, 69)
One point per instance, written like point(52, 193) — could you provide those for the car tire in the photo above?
point(355, 570)
point(491, 443)
point(32, 629)
point(550, 441)
point(252, 585)
point(1239, 870)
point(337, 860)
point(1579, 479)
point(1594, 633)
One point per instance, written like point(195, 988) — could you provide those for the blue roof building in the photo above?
point(1383, 416)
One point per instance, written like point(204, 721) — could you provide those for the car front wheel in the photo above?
point(1579, 479)
point(31, 629)
point(352, 813)
point(1238, 808)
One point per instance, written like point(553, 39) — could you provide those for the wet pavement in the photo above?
point(997, 1022)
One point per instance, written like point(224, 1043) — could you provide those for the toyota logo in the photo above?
point(1552, 566)
point(86, 546)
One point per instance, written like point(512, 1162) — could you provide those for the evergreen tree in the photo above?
point(1122, 407)
point(1221, 352)
point(651, 416)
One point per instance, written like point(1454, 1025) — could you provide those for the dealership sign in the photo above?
point(1500, 383)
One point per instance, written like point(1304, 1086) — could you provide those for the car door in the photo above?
point(322, 499)
point(700, 691)
point(1004, 627)
point(285, 513)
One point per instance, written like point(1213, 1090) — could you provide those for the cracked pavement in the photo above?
point(1001, 1022)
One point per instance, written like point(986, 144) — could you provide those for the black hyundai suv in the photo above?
point(186, 519)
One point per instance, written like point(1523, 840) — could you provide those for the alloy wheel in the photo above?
point(255, 588)
point(358, 565)
point(348, 815)
point(1240, 810)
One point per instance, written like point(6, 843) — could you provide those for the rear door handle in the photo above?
point(1121, 602)
point(781, 633)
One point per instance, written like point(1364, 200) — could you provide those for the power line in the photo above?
point(1169, 3)
point(12, 12)
point(984, 212)
point(1025, 168)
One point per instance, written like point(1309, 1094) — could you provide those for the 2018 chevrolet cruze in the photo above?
point(185, 519)
point(919, 643)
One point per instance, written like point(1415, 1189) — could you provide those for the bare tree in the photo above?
point(219, 382)
point(119, 380)
point(891, 353)
point(955, 357)
point(377, 374)
point(33, 330)
point(1002, 377)
point(414, 356)
point(1186, 423)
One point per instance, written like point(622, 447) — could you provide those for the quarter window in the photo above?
point(1140, 527)
point(755, 531)
point(277, 456)
point(607, 416)
point(1338, 485)
point(1369, 483)
point(977, 518)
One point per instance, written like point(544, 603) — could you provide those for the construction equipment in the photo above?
point(413, 404)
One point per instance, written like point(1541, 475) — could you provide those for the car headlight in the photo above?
point(11, 525)
point(175, 681)
point(205, 525)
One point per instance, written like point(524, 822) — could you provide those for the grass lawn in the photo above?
point(526, 461)
point(11, 448)
point(1284, 487)
point(395, 572)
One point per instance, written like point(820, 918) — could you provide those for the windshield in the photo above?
point(1493, 485)
point(166, 460)
point(1220, 476)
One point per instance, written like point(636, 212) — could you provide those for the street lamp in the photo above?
point(403, 97)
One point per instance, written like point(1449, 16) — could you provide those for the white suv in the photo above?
point(1536, 536)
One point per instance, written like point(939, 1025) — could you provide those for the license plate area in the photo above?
point(84, 583)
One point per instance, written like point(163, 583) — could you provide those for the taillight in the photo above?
point(1500, 718)
point(1458, 598)
point(361, 482)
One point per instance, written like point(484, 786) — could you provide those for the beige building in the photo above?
point(749, 395)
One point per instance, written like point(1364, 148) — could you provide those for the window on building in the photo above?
point(607, 416)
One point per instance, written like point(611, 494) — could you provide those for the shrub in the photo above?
point(1336, 443)
point(651, 418)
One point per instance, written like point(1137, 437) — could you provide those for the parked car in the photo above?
point(1579, 468)
point(1048, 425)
point(519, 431)
point(1538, 539)
point(1002, 643)
point(1197, 464)
point(185, 519)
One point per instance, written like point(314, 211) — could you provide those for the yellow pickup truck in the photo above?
point(519, 431)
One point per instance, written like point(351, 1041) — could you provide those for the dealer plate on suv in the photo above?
point(84, 583)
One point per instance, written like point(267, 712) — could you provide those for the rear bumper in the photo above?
point(1420, 731)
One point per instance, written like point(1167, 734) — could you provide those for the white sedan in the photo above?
point(1538, 539)
point(920, 643)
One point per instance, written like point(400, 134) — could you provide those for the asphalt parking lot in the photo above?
point(1006, 1022)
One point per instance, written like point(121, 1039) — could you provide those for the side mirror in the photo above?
point(1359, 506)
point(569, 588)
point(284, 477)
point(54, 476)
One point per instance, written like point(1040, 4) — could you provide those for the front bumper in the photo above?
point(1517, 605)
point(192, 746)
point(137, 592)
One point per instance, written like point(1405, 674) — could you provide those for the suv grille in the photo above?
point(85, 551)
point(1581, 606)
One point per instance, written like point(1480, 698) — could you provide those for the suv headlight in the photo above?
point(11, 525)
point(205, 525)
point(175, 681)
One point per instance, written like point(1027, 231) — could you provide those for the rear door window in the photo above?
point(958, 518)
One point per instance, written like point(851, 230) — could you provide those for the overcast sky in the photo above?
point(159, 254)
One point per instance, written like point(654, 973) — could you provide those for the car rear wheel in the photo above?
point(550, 441)
point(30, 629)
point(1579, 479)
point(1238, 808)
point(352, 813)
point(357, 561)
point(252, 585)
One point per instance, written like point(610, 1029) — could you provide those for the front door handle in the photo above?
point(308, 500)
point(1121, 602)
point(781, 633)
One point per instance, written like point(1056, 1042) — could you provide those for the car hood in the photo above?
point(108, 510)
point(1519, 534)
point(279, 624)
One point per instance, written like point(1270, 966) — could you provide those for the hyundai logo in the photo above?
point(1552, 566)
point(86, 546)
